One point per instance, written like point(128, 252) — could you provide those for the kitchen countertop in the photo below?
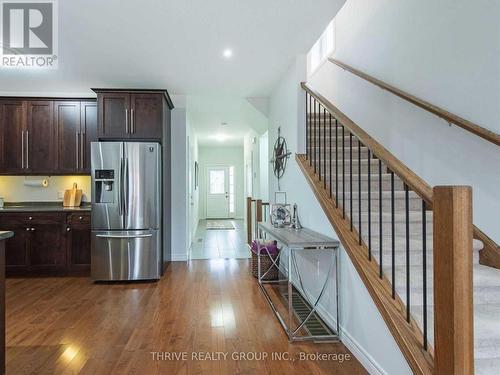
point(4, 235)
point(42, 207)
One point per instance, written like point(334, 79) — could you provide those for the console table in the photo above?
point(294, 241)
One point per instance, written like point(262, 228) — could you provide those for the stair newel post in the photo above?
point(249, 220)
point(453, 322)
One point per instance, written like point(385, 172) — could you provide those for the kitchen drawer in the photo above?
point(79, 218)
point(28, 218)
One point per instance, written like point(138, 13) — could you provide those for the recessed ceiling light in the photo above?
point(227, 53)
point(220, 137)
point(223, 123)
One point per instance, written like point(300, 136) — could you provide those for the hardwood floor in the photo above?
point(70, 325)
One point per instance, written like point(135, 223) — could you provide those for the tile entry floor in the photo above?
point(225, 244)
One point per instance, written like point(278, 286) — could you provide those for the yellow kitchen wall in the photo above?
point(13, 189)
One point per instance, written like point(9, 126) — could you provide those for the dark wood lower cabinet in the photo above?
point(78, 244)
point(47, 244)
point(16, 253)
point(47, 250)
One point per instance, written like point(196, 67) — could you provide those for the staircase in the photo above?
point(389, 214)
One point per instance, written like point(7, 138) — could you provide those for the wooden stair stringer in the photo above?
point(408, 336)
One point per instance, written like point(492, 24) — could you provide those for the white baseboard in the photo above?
point(179, 257)
point(361, 355)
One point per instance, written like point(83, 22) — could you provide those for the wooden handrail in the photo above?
point(489, 256)
point(447, 116)
point(417, 184)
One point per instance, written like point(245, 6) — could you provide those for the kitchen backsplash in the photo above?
point(13, 189)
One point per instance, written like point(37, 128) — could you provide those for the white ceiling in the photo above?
point(207, 113)
point(177, 45)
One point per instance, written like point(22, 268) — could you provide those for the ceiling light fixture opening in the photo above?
point(227, 53)
point(220, 137)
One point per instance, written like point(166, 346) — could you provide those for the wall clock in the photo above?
point(280, 157)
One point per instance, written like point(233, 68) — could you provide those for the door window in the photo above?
point(217, 182)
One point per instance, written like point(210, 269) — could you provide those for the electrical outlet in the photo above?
point(60, 194)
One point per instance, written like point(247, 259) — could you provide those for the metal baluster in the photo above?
point(359, 190)
point(310, 129)
point(424, 265)
point(393, 239)
point(407, 208)
point(343, 173)
point(307, 127)
point(315, 130)
point(350, 175)
point(380, 216)
point(369, 205)
point(324, 147)
point(330, 143)
point(319, 143)
point(336, 164)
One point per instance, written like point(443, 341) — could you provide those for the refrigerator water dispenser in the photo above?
point(104, 185)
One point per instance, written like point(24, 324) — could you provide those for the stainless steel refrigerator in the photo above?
point(126, 210)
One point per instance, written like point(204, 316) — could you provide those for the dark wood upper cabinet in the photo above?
point(76, 124)
point(132, 114)
point(113, 115)
point(41, 134)
point(146, 115)
point(89, 132)
point(67, 117)
point(12, 136)
point(46, 136)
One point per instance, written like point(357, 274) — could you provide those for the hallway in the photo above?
point(215, 244)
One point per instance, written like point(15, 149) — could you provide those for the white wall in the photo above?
point(362, 327)
point(264, 166)
point(222, 156)
point(252, 164)
point(12, 188)
point(193, 190)
point(446, 52)
point(180, 202)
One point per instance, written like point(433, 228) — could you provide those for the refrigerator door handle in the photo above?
point(124, 235)
point(120, 190)
point(126, 186)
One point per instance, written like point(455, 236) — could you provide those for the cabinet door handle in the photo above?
point(22, 149)
point(82, 149)
point(68, 229)
point(126, 121)
point(27, 229)
point(76, 141)
point(132, 122)
point(27, 149)
point(32, 229)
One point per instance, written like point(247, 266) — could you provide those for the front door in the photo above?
point(217, 192)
